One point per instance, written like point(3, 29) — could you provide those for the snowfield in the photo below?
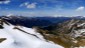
point(18, 39)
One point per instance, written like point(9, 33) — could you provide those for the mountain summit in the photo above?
point(17, 36)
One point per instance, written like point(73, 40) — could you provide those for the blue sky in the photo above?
point(42, 7)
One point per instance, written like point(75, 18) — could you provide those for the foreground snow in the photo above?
point(19, 39)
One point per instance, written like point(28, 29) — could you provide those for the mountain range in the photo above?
point(58, 32)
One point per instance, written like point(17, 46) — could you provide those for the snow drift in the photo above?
point(22, 37)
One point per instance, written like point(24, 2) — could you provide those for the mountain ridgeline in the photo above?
point(34, 21)
point(68, 32)
point(26, 21)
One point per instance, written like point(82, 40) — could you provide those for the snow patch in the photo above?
point(19, 39)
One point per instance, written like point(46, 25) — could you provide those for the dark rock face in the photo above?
point(2, 23)
point(2, 39)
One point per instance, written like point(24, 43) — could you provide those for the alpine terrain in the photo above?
point(66, 34)
point(17, 36)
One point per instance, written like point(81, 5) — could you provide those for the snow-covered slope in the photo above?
point(22, 37)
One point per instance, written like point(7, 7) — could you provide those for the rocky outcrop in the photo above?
point(2, 39)
point(69, 34)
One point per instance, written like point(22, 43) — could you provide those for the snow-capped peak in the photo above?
point(22, 37)
point(9, 15)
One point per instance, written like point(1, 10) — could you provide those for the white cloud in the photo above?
point(32, 5)
point(24, 4)
point(28, 5)
point(5, 2)
point(10, 14)
point(80, 8)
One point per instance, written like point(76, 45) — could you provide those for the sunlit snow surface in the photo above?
point(18, 39)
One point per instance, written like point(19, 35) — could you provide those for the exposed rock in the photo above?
point(68, 34)
point(2, 39)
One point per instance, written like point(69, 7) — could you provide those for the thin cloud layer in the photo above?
point(80, 8)
point(28, 5)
